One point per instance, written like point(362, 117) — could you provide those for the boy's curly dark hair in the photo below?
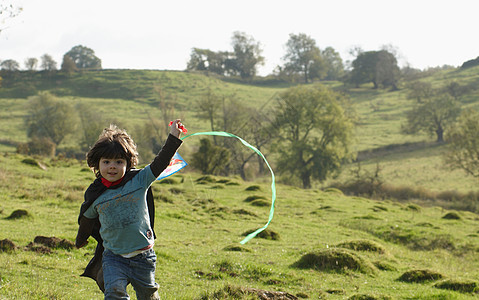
point(112, 143)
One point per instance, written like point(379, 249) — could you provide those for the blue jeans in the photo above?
point(139, 270)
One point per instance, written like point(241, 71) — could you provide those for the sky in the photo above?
point(158, 34)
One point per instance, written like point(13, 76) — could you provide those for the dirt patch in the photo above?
point(416, 276)
point(335, 260)
point(54, 242)
point(265, 234)
point(18, 214)
point(363, 245)
point(231, 292)
point(459, 286)
point(38, 248)
point(7, 246)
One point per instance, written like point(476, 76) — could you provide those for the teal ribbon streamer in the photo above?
point(273, 188)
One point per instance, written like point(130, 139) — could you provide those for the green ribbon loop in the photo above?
point(273, 188)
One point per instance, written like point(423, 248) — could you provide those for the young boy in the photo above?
point(118, 212)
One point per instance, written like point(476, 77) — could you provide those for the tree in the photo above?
point(378, 67)
point(48, 64)
point(463, 144)
point(84, 57)
point(90, 125)
point(334, 64)
point(210, 159)
point(9, 65)
point(49, 117)
point(68, 65)
point(207, 60)
point(433, 115)
point(247, 54)
point(304, 57)
point(315, 133)
point(31, 63)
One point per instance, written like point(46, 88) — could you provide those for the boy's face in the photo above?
point(112, 169)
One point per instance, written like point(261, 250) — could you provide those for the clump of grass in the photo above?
point(332, 190)
point(244, 212)
point(18, 214)
point(413, 207)
point(165, 199)
point(334, 260)
point(422, 275)
point(253, 197)
point(233, 292)
point(168, 181)
point(176, 191)
point(369, 297)
point(253, 188)
point(54, 242)
point(377, 208)
point(384, 266)
point(7, 246)
point(236, 248)
point(206, 179)
point(363, 245)
point(453, 215)
point(260, 203)
point(459, 286)
point(266, 234)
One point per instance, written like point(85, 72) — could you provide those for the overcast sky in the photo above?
point(158, 34)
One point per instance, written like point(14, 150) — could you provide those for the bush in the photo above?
point(38, 146)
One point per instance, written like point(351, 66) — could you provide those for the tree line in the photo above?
point(304, 62)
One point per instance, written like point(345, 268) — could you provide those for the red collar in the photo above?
point(109, 183)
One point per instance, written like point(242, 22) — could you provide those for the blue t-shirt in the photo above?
point(123, 214)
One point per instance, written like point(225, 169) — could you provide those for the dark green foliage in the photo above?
point(378, 67)
point(384, 266)
point(210, 159)
point(459, 286)
point(334, 260)
point(260, 202)
point(415, 276)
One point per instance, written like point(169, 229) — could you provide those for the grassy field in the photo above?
point(321, 244)
point(133, 97)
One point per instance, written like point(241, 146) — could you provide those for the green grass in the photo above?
point(200, 227)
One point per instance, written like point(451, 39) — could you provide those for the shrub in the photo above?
point(452, 216)
point(38, 146)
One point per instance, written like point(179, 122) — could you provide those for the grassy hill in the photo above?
point(321, 244)
point(405, 160)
